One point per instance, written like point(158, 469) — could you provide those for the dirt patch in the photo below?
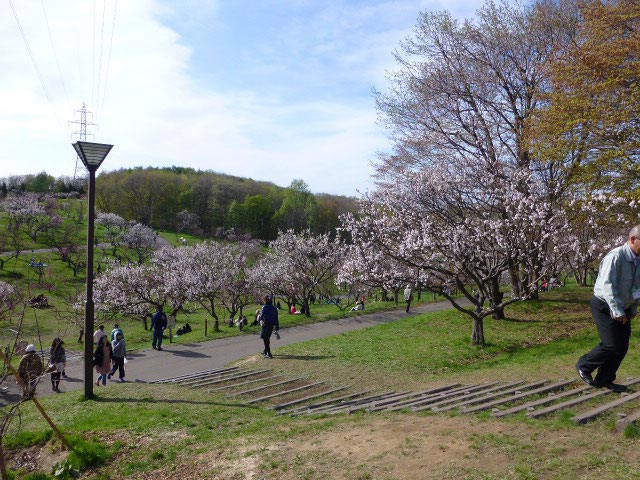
point(38, 458)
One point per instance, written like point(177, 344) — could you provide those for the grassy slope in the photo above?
point(540, 340)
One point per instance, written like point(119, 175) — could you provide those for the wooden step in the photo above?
point(516, 397)
point(307, 398)
point(191, 375)
point(264, 387)
point(216, 381)
point(575, 401)
point(543, 401)
point(307, 409)
point(594, 412)
point(623, 423)
point(280, 394)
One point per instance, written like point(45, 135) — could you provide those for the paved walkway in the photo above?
point(179, 359)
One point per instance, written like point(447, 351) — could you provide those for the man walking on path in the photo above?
point(98, 334)
point(613, 305)
point(158, 324)
point(408, 296)
point(269, 320)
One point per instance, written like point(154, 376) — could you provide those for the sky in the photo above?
point(273, 90)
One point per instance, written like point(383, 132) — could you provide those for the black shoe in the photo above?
point(154, 347)
point(585, 376)
point(615, 387)
point(159, 349)
point(269, 355)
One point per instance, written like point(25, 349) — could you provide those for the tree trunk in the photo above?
point(305, 307)
point(496, 299)
point(477, 337)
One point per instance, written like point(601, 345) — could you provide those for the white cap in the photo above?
point(30, 348)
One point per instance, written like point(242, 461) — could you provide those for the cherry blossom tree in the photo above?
point(141, 241)
point(209, 274)
point(9, 299)
point(114, 228)
point(136, 290)
point(374, 269)
point(239, 290)
point(453, 231)
point(296, 265)
point(19, 209)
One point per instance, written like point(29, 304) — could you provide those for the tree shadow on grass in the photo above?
point(304, 357)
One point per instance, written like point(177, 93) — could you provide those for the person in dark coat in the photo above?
point(57, 359)
point(269, 320)
point(158, 324)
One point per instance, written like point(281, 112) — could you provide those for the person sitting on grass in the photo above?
point(293, 310)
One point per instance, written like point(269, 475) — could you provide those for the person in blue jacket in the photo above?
point(158, 324)
point(269, 321)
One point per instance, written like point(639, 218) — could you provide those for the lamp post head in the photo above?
point(92, 154)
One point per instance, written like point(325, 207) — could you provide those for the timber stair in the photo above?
point(298, 396)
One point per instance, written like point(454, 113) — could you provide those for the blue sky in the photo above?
point(272, 90)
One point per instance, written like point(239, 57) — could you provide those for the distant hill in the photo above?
point(162, 198)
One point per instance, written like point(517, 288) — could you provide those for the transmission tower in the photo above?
point(82, 135)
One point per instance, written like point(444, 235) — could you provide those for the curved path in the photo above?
point(180, 359)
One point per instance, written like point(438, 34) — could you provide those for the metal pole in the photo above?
point(89, 309)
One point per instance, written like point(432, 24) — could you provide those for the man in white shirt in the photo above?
point(613, 305)
point(99, 333)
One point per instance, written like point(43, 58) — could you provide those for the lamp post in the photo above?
point(92, 156)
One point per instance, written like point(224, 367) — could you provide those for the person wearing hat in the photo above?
point(30, 369)
point(57, 359)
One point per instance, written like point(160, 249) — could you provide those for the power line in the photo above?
point(104, 10)
point(55, 55)
point(33, 62)
point(93, 56)
point(106, 77)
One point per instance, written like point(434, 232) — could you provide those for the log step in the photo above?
point(514, 398)
point(279, 394)
point(593, 413)
point(307, 409)
point(307, 398)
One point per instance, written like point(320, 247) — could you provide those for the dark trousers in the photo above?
point(607, 356)
point(265, 334)
point(118, 364)
point(55, 379)
point(157, 338)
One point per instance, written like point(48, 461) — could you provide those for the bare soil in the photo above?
point(398, 446)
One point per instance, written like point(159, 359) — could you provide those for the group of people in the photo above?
point(110, 354)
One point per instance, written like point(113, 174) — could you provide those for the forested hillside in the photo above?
point(202, 202)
